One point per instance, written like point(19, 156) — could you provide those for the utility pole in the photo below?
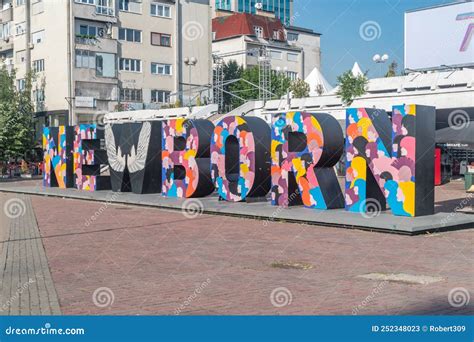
point(28, 36)
point(70, 119)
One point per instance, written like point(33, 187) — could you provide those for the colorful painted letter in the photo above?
point(57, 152)
point(186, 158)
point(240, 159)
point(134, 154)
point(88, 158)
point(390, 161)
point(305, 148)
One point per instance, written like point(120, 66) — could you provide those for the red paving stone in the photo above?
point(154, 260)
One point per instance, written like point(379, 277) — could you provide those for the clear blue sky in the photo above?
point(339, 22)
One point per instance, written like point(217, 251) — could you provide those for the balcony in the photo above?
point(96, 44)
point(104, 96)
point(6, 44)
point(6, 14)
point(95, 12)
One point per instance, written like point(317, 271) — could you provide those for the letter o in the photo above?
point(240, 158)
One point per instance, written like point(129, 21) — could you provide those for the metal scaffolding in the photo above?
point(219, 84)
point(265, 76)
point(218, 81)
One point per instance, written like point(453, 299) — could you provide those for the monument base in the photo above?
point(382, 222)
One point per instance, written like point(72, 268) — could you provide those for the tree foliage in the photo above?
point(232, 71)
point(247, 89)
point(392, 69)
point(299, 88)
point(351, 86)
point(16, 117)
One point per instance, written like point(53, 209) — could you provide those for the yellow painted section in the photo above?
point(359, 165)
point(408, 189)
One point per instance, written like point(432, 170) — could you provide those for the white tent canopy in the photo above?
point(356, 71)
point(316, 80)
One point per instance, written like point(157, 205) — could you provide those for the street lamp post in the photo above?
point(380, 60)
point(190, 62)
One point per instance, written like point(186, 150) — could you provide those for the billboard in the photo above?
point(440, 36)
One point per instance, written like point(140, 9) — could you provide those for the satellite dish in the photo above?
point(259, 6)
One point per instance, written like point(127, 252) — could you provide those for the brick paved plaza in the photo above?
point(80, 257)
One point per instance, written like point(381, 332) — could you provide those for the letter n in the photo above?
point(186, 158)
point(390, 161)
point(57, 157)
point(305, 149)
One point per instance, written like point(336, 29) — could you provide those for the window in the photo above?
point(276, 35)
point(161, 69)
point(258, 31)
point(275, 54)
point(85, 59)
point(292, 57)
point(131, 95)
point(105, 64)
point(292, 75)
point(5, 30)
point(89, 2)
point(130, 35)
point(160, 96)
point(160, 10)
point(292, 37)
point(129, 64)
point(223, 5)
point(37, 37)
point(38, 95)
point(20, 28)
point(20, 2)
point(88, 30)
point(252, 53)
point(105, 7)
point(160, 39)
point(38, 65)
point(21, 84)
point(134, 6)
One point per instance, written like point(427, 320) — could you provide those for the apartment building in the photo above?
point(283, 9)
point(240, 36)
point(310, 43)
point(96, 56)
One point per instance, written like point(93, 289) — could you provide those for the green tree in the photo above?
point(392, 69)
point(232, 71)
point(300, 89)
point(7, 85)
point(16, 117)
point(248, 87)
point(281, 84)
point(351, 86)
